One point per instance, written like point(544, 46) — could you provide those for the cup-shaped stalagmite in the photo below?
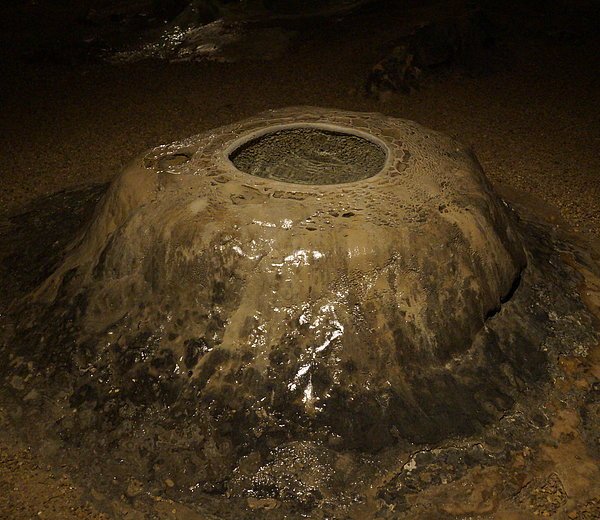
point(304, 271)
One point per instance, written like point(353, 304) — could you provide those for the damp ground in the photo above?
point(533, 122)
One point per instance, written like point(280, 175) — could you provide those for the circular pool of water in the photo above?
point(309, 155)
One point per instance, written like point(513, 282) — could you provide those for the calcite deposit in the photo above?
point(342, 275)
point(289, 288)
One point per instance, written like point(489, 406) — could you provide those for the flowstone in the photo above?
point(357, 304)
point(292, 287)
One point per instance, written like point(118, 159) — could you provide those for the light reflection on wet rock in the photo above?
point(228, 31)
point(267, 332)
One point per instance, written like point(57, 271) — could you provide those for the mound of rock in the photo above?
point(306, 278)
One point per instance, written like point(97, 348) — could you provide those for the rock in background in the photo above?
point(465, 41)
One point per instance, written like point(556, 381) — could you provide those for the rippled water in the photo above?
point(310, 156)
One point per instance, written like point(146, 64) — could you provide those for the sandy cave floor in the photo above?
point(534, 123)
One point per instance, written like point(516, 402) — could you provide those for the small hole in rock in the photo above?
point(173, 160)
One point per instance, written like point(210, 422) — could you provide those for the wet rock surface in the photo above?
point(217, 30)
point(149, 410)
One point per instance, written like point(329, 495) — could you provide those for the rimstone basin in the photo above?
point(310, 154)
point(309, 275)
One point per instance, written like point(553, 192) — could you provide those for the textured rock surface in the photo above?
point(360, 306)
point(217, 333)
